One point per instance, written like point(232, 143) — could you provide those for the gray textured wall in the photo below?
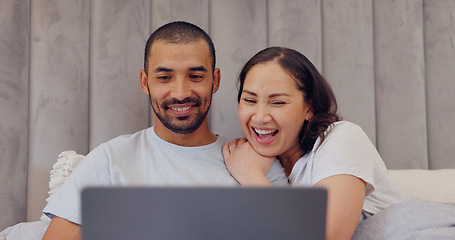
point(69, 75)
point(14, 102)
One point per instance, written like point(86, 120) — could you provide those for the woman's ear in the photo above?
point(309, 110)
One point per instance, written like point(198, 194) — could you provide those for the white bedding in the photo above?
point(414, 219)
point(25, 231)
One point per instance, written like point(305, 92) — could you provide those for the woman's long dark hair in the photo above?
point(316, 91)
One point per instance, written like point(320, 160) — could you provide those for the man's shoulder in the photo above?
point(222, 139)
point(131, 137)
point(124, 143)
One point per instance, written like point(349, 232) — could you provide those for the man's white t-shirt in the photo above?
point(144, 159)
point(348, 150)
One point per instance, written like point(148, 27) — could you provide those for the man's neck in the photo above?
point(200, 137)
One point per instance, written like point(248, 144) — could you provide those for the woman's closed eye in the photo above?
point(278, 103)
point(248, 100)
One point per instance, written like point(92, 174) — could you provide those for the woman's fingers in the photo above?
point(241, 141)
point(226, 151)
point(231, 146)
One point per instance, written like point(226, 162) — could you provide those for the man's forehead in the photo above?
point(190, 56)
point(162, 45)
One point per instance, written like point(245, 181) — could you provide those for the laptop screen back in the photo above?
point(203, 213)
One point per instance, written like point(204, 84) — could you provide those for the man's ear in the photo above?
point(144, 80)
point(216, 80)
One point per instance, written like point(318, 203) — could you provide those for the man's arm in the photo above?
point(60, 228)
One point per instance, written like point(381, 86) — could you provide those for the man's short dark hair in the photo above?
point(179, 33)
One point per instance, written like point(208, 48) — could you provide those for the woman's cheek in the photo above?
point(244, 117)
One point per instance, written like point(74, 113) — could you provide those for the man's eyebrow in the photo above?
point(198, 68)
point(162, 69)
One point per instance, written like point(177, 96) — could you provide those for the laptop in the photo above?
point(203, 213)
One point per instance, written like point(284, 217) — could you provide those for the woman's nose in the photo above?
point(262, 114)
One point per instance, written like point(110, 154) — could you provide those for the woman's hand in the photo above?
point(245, 164)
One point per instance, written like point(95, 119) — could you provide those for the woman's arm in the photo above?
point(245, 164)
point(346, 194)
point(60, 228)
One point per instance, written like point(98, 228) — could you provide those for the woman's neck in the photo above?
point(289, 159)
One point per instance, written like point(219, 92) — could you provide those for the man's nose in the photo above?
point(181, 89)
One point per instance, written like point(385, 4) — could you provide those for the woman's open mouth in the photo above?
point(265, 136)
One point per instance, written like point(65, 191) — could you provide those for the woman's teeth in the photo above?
point(264, 132)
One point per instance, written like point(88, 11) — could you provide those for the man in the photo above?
point(180, 77)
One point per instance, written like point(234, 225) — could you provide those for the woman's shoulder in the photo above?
point(345, 133)
point(344, 124)
point(344, 127)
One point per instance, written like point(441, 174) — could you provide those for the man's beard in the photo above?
point(177, 126)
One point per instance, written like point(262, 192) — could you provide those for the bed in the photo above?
point(431, 192)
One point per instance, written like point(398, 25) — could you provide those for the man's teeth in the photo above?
point(264, 132)
point(181, 109)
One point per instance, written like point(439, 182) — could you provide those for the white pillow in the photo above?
point(61, 170)
point(433, 185)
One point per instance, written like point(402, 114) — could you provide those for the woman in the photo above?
point(288, 110)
